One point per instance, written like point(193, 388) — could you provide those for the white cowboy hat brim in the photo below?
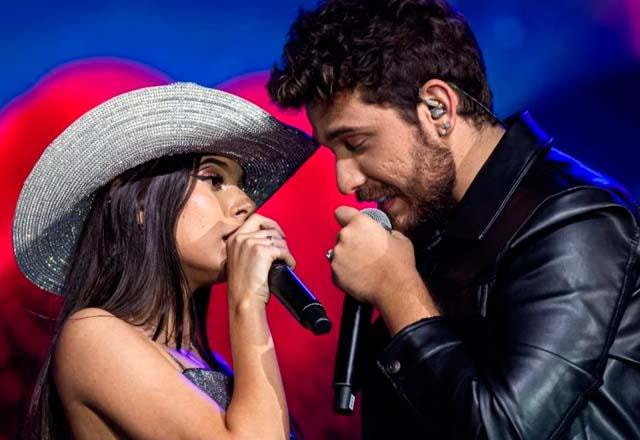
point(131, 129)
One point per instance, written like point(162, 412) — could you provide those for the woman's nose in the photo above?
point(242, 206)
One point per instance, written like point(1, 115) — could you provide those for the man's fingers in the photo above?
point(344, 214)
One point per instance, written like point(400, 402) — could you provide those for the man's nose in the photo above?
point(349, 175)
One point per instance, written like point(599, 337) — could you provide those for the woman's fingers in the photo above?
point(256, 222)
point(239, 238)
point(265, 239)
point(286, 256)
point(263, 233)
point(251, 251)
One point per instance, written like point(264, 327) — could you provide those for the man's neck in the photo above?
point(477, 145)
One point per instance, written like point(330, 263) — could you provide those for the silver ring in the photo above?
point(329, 255)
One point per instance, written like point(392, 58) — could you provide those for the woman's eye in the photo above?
point(216, 180)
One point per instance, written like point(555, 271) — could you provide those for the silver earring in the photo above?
point(445, 129)
point(435, 107)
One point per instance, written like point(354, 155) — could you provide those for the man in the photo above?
point(508, 289)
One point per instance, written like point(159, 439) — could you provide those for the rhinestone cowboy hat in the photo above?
point(131, 129)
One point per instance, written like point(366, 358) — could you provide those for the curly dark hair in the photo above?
point(385, 49)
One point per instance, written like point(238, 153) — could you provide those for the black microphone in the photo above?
point(356, 319)
point(295, 296)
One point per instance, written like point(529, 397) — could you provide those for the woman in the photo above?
point(132, 213)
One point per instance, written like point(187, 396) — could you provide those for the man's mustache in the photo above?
point(375, 191)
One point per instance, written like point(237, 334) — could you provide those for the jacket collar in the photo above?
point(498, 178)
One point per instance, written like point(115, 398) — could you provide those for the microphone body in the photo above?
point(294, 295)
point(356, 319)
point(355, 322)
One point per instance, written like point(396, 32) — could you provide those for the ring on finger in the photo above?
point(329, 255)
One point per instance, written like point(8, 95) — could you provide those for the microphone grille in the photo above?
point(379, 216)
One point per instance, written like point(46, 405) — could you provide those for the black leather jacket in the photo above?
point(537, 277)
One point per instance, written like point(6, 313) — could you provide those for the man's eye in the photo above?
point(351, 147)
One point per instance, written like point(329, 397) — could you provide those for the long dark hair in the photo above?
point(131, 224)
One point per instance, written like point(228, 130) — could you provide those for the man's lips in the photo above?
point(385, 203)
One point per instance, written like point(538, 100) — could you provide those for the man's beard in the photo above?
point(430, 189)
point(428, 192)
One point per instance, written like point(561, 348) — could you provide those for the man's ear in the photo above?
point(437, 110)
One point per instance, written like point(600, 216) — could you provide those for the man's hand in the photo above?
point(378, 267)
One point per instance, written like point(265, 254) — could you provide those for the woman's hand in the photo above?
point(258, 395)
point(251, 250)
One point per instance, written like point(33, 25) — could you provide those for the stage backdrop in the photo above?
point(303, 208)
point(574, 64)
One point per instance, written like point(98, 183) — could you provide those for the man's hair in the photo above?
point(386, 50)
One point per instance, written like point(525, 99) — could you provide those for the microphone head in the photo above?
point(379, 216)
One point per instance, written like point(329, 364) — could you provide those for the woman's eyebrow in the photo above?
point(222, 164)
point(214, 161)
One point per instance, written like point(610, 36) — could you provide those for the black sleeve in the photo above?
point(558, 298)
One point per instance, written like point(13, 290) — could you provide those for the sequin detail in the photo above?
point(216, 384)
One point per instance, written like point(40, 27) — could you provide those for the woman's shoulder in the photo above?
point(90, 312)
point(94, 343)
point(108, 373)
point(86, 327)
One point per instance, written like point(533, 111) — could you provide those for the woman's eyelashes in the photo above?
point(216, 180)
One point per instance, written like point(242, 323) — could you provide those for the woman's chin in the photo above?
point(219, 274)
point(208, 277)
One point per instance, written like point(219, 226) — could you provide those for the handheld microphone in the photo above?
point(356, 319)
point(294, 295)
